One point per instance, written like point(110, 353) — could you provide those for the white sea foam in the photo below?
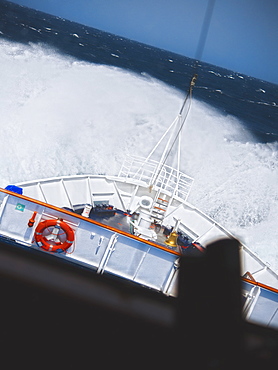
point(60, 116)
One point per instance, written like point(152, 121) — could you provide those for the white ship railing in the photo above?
point(107, 250)
point(100, 247)
point(125, 194)
point(165, 177)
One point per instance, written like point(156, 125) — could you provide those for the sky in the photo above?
point(243, 34)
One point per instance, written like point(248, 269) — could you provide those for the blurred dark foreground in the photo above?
point(60, 315)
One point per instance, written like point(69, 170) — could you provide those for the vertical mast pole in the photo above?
point(179, 119)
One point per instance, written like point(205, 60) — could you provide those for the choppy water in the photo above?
point(74, 100)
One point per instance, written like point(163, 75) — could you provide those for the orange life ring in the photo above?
point(51, 242)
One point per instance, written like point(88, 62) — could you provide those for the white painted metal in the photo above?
point(125, 193)
point(261, 305)
point(169, 180)
point(99, 247)
point(131, 258)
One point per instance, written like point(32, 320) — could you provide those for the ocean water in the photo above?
point(75, 100)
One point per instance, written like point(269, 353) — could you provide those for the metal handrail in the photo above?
point(169, 178)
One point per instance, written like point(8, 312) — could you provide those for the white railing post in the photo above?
point(108, 251)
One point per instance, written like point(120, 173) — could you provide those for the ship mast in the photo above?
point(163, 180)
point(161, 175)
point(173, 132)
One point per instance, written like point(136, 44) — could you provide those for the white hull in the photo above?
point(125, 195)
point(110, 250)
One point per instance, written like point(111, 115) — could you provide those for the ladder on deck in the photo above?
point(159, 207)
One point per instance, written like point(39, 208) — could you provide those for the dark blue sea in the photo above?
point(76, 100)
point(254, 101)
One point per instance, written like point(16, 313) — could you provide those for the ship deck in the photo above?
point(122, 221)
point(105, 242)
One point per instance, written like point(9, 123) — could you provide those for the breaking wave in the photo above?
point(61, 116)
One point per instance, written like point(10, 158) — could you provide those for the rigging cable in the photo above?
point(204, 30)
point(183, 119)
point(198, 55)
